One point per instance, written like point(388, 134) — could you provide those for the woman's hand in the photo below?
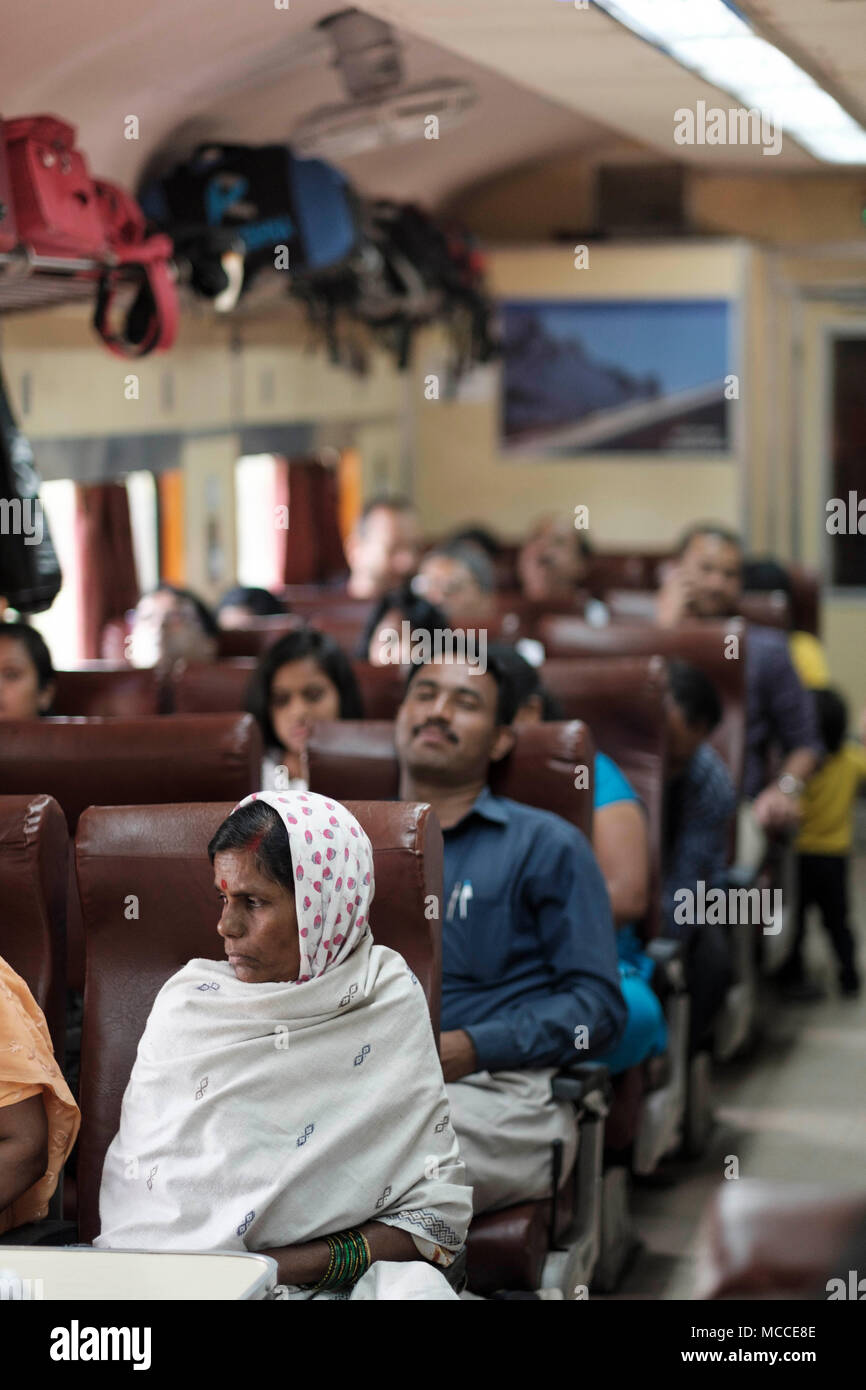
point(23, 1148)
point(307, 1264)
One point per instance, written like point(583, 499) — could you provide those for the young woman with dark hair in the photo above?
point(303, 678)
point(26, 673)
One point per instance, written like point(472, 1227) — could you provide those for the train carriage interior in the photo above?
point(432, 680)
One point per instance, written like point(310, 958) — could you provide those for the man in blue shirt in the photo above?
point(530, 979)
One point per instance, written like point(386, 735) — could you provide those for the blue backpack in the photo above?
point(278, 210)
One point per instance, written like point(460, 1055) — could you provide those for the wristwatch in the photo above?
point(791, 785)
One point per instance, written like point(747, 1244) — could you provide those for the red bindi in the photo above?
point(223, 883)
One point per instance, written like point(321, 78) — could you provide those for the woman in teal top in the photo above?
point(620, 841)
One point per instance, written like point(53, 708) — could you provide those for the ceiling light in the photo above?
point(711, 38)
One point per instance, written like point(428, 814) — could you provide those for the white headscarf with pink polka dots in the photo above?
point(332, 860)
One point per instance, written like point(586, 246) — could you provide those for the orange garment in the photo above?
point(28, 1068)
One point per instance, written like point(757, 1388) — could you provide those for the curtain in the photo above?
point(313, 547)
point(108, 584)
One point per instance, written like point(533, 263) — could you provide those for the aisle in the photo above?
point(794, 1111)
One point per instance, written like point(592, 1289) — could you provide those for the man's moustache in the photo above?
point(441, 728)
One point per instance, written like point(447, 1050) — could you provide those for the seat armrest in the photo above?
point(669, 976)
point(42, 1233)
point(579, 1079)
point(662, 950)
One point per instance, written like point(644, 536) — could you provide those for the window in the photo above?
point(60, 624)
point(260, 488)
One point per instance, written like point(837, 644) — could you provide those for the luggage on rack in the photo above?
point(55, 201)
point(263, 197)
point(62, 215)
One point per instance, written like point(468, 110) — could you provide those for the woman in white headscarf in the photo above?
point(290, 1099)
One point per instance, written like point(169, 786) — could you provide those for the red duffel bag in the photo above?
point(62, 213)
point(55, 201)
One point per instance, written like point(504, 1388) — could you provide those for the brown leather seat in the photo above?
point(121, 762)
point(202, 688)
point(639, 605)
point(356, 758)
point(615, 569)
point(117, 762)
point(382, 689)
point(128, 961)
point(704, 644)
point(622, 701)
point(255, 636)
point(117, 691)
point(34, 850)
point(216, 687)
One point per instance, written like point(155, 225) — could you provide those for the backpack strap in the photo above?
point(151, 323)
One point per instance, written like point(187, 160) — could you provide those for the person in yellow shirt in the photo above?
point(823, 846)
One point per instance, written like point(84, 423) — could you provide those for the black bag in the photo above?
point(30, 575)
point(262, 197)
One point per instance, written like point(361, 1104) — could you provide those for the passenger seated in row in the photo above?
point(700, 804)
point(303, 678)
point(39, 1119)
point(170, 625)
point(289, 1099)
point(529, 975)
point(553, 565)
point(706, 582)
point(26, 673)
point(620, 841)
point(460, 580)
point(382, 549)
point(385, 642)
point(237, 606)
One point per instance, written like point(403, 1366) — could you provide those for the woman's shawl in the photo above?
point(262, 1115)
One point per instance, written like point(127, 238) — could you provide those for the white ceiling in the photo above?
point(550, 79)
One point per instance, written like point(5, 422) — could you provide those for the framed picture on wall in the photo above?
point(617, 376)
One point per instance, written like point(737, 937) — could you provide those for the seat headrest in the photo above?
point(117, 762)
point(354, 758)
point(34, 851)
point(121, 693)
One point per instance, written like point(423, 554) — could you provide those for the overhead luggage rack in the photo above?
point(28, 281)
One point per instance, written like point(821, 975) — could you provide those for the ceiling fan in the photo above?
point(381, 111)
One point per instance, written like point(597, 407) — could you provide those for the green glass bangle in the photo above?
point(341, 1263)
point(348, 1259)
point(324, 1281)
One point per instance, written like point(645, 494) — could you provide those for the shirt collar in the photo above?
point(489, 807)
